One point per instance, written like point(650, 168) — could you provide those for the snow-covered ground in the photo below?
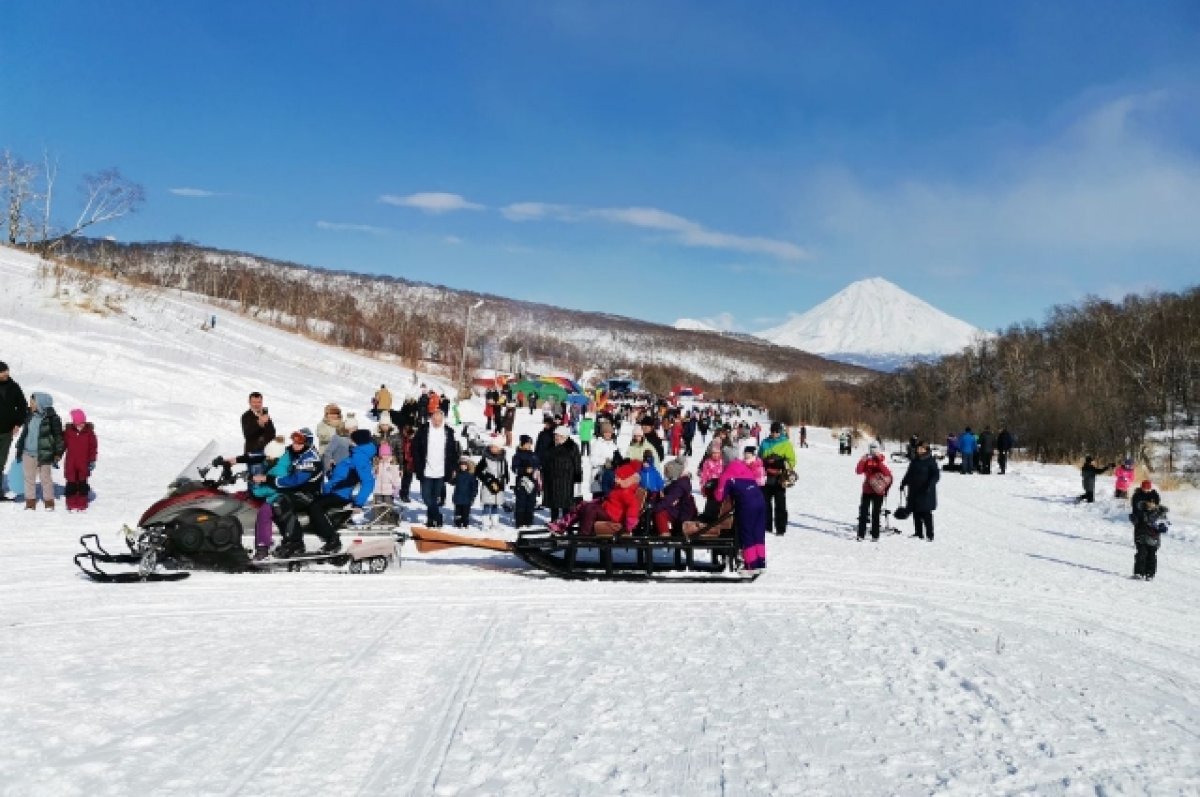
point(1013, 655)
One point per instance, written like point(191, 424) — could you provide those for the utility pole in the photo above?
point(462, 363)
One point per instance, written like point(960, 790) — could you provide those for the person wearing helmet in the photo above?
point(298, 487)
point(778, 458)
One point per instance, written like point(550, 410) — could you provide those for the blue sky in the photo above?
point(730, 161)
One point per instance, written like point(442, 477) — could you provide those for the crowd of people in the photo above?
point(745, 469)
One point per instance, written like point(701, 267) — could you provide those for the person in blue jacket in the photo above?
point(297, 488)
point(352, 481)
point(966, 447)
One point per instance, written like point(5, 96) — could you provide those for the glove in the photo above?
point(91, 467)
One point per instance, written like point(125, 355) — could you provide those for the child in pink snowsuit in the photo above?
point(80, 441)
point(1124, 478)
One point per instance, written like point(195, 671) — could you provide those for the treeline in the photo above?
point(1097, 378)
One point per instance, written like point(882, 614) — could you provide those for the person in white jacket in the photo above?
point(603, 446)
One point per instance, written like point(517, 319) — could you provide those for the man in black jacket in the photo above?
point(1004, 444)
point(14, 409)
point(1089, 472)
point(435, 456)
point(920, 486)
point(257, 427)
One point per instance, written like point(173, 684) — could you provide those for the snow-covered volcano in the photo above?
point(876, 324)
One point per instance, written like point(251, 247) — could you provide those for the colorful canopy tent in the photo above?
point(544, 388)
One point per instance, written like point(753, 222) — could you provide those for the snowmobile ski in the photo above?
point(94, 553)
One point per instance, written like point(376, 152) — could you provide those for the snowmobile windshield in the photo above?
point(191, 473)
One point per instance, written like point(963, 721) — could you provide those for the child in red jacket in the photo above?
point(80, 440)
point(621, 505)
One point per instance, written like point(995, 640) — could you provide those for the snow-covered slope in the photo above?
point(1011, 656)
point(694, 325)
point(874, 323)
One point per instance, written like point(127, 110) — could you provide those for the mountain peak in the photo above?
point(873, 321)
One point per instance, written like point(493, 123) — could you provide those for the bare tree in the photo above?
point(107, 196)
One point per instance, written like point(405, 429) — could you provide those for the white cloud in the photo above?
point(1105, 183)
point(431, 202)
point(691, 233)
point(198, 193)
point(681, 230)
point(533, 211)
point(452, 239)
point(337, 226)
point(724, 322)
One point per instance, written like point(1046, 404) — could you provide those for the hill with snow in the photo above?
point(1012, 655)
point(876, 324)
point(694, 325)
point(380, 313)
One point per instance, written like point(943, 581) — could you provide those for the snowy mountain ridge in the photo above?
point(875, 323)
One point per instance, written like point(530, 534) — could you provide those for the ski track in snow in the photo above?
point(1013, 655)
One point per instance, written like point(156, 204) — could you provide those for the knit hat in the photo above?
point(523, 439)
point(630, 470)
point(674, 469)
point(385, 451)
point(360, 437)
point(351, 422)
point(3, 367)
point(496, 441)
point(1128, 463)
point(1146, 485)
point(274, 449)
point(78, 418)
point(776, 427)
point(562, 431)
point(873, 447)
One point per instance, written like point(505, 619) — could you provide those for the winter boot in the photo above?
point(30, 503)
point(332, 545)
point(261, 552)
point(49, 504)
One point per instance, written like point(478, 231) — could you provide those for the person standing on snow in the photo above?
point(778, 457)
point(435, 454)
point(1089, 472)
point(40, 446)
point(1124, 478)
point(740, 480)
point(257, 427)
point(79, 439)
point(1148, 526)
point(920, 486)
point(966, 446)
point(14, 409)
point(1004, 444)
point(877, 480)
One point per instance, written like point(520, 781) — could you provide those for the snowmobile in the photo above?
point(199, 526)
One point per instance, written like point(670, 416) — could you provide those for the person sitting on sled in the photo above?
point(274, 459)
point(352, 481)
point(621, 505)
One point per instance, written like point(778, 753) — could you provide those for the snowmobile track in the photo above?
point(424, 774)
point(332, 686)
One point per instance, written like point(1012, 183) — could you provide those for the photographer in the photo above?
point(877, 480)
point(257, 427)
